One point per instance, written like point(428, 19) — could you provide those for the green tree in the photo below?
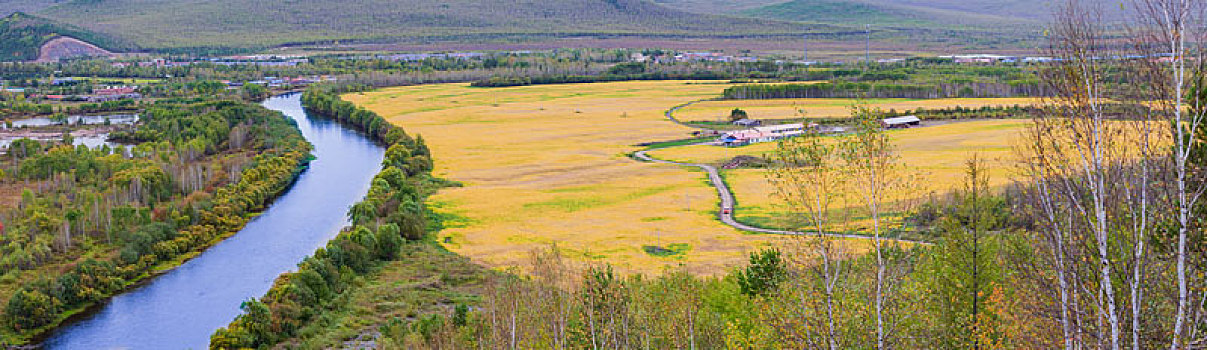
point(963, 271)
point(764, 274)
point(737, 114)
point(254, 92)
point(30, 308)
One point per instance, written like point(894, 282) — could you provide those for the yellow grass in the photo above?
point(935, 156)
point(827, 108)
point(546, 164)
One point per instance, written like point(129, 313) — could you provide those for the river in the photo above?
point(180, 309)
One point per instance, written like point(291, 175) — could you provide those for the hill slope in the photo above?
point(714, 6)
point(21, 36)
point(983, 13)
point(893, 13)
point(8, 7)
point(241, 23)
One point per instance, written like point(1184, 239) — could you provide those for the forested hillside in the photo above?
point(892, 13)
point(181, 23)
point(185, 26)
point(21, 35)
point(882, 14)
point(935, 10)
point(716, 6)
point(8, 7)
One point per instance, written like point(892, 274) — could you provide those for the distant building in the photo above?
point(115, 90)
point(980, 58)
point(747, 122)
point(901, 122)
point(762, 134)
point(704, 56)
point(117, 97)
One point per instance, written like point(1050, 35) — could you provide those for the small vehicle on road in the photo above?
point(726, 211)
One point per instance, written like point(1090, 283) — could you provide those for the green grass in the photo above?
point(833, 10)
point(137, 81)
point(671, 250)
point(676, 143)
point(428, 281)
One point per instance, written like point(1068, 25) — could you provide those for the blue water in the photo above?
point(180, 309)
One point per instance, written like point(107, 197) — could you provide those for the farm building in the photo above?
point(762, 134)
point(747, 122)
point(901, 122)
point(115, 90)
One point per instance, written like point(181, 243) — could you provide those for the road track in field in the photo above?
point(727, 199)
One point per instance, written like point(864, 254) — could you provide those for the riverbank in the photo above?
point(238, 202)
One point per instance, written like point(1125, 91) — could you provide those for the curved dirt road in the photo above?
point(727, 199)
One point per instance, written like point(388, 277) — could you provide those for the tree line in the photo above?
point(197, 173)
point(882, 90)
point(391, 214)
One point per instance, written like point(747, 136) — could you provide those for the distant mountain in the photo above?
point(223, 25)
point(264, 23)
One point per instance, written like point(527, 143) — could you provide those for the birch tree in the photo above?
point(806, 178)
point(873, 168)
point(1094, 173)
point(1171, 32)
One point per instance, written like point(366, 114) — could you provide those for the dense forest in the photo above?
point(91, 221)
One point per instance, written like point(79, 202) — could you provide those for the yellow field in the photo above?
point(546, 164)
point(827, 108)
point(934, 155)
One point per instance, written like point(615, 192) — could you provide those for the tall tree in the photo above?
point(873, 168)
point(963, 265)
point(1173, 30)
point(807, 178)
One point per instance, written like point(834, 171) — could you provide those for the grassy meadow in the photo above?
point(932, 157)
point(547, 164)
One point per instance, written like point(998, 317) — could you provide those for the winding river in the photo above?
point(180, 309)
